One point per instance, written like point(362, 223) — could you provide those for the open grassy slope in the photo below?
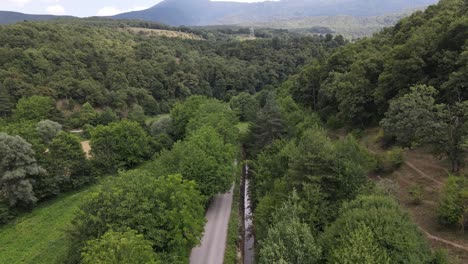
point(40, 236)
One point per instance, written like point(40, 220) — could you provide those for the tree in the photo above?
point(119, 247)
point(6, 102)
point(119, 145)
point(416, 117)
point(360, 246)
point(453, 206)
point(269, 124)
point(162, 126)
point(245, 105)
point(204, 158)
point(33, 108)
point(181, 114)
point(392, 229)
point(67, 162)
point(137, 114)
point(18, 168)
point(48, 130)
point(168, 211)
point(218, 116)
point(288, 240)
point(87, 114)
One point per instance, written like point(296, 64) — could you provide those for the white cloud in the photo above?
point(111, 11)
point(50, 1)
point(55, 10)
point(20, 3)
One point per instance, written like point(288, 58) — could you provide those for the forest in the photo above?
point(122, 139)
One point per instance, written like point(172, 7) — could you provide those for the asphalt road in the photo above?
point(213, 246)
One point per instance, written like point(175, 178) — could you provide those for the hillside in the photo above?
point(7, 17)
point(205, 12)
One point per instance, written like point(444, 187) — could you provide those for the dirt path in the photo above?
point(439, 239)
point(422, 174)
point(86, 148)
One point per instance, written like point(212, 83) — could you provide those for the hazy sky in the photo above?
point(81, 8)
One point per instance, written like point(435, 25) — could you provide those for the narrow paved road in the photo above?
point(213, 246)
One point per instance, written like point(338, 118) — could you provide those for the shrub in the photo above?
point(453, 207)
point(390, 160)
point(417, 194)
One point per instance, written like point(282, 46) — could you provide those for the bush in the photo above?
point(417, 194)
point(453, 207)
point(390, 161)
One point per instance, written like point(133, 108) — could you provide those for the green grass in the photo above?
point(149, 120)
point(40, 236)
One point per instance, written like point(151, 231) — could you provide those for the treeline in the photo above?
point(93, 61)
point(312, 199)
point(412, 75)
point(155, 214)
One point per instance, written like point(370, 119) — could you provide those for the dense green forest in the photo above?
point(170, 122)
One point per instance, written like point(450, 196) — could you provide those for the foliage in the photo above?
point(204, 158)
point(18, 168)
point(33, 108)
point(137, 114)
point(119, 247)
point(417, 194)
point(391, 231)
point(288, 240)
point(453, 206)
point(390, 160)
point(66, 162)
point(119, 145)
point(162, 126)
point(416, 117)
point(167, 211)
point(245, 105)
point(48, 130)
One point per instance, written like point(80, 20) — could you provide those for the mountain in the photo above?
point(206, 12)
point(7, 17)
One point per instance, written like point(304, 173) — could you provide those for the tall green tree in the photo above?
point(18, 169)
point(48, 129)
point(119, 145)
point(245, 105)
point(119, 247)
point(168, 211)
point(33, 108)
point(6, 101)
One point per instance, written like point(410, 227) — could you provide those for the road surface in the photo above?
point(213, 246)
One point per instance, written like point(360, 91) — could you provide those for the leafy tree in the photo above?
point(6, 102)
point(87, 114)
point(289, 240)
point(119, 247)
point(18, 168)
point(167, 211)
point(119, 145)
point(33, 108)
point(106, 117)
point(204, 158)
point(416, 117)
point(392, 229)
point(183, 112)
point(269, 124)
point(48, 130)
point(137, 114)
point(245, 105)
point(162, 126)
point(360, 247)
point(453, 206)
point(218, 116)
point(67, 162)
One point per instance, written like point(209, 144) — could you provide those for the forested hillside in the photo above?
point(317, 135)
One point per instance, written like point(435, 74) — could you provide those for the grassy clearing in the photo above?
point(165, 33)
point(40, 236)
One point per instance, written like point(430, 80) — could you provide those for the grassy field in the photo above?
point(39, 237)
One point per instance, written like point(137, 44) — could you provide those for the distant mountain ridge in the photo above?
point(8, 17)
point(206, 12)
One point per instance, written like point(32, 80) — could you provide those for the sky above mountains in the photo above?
point(81, 8)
